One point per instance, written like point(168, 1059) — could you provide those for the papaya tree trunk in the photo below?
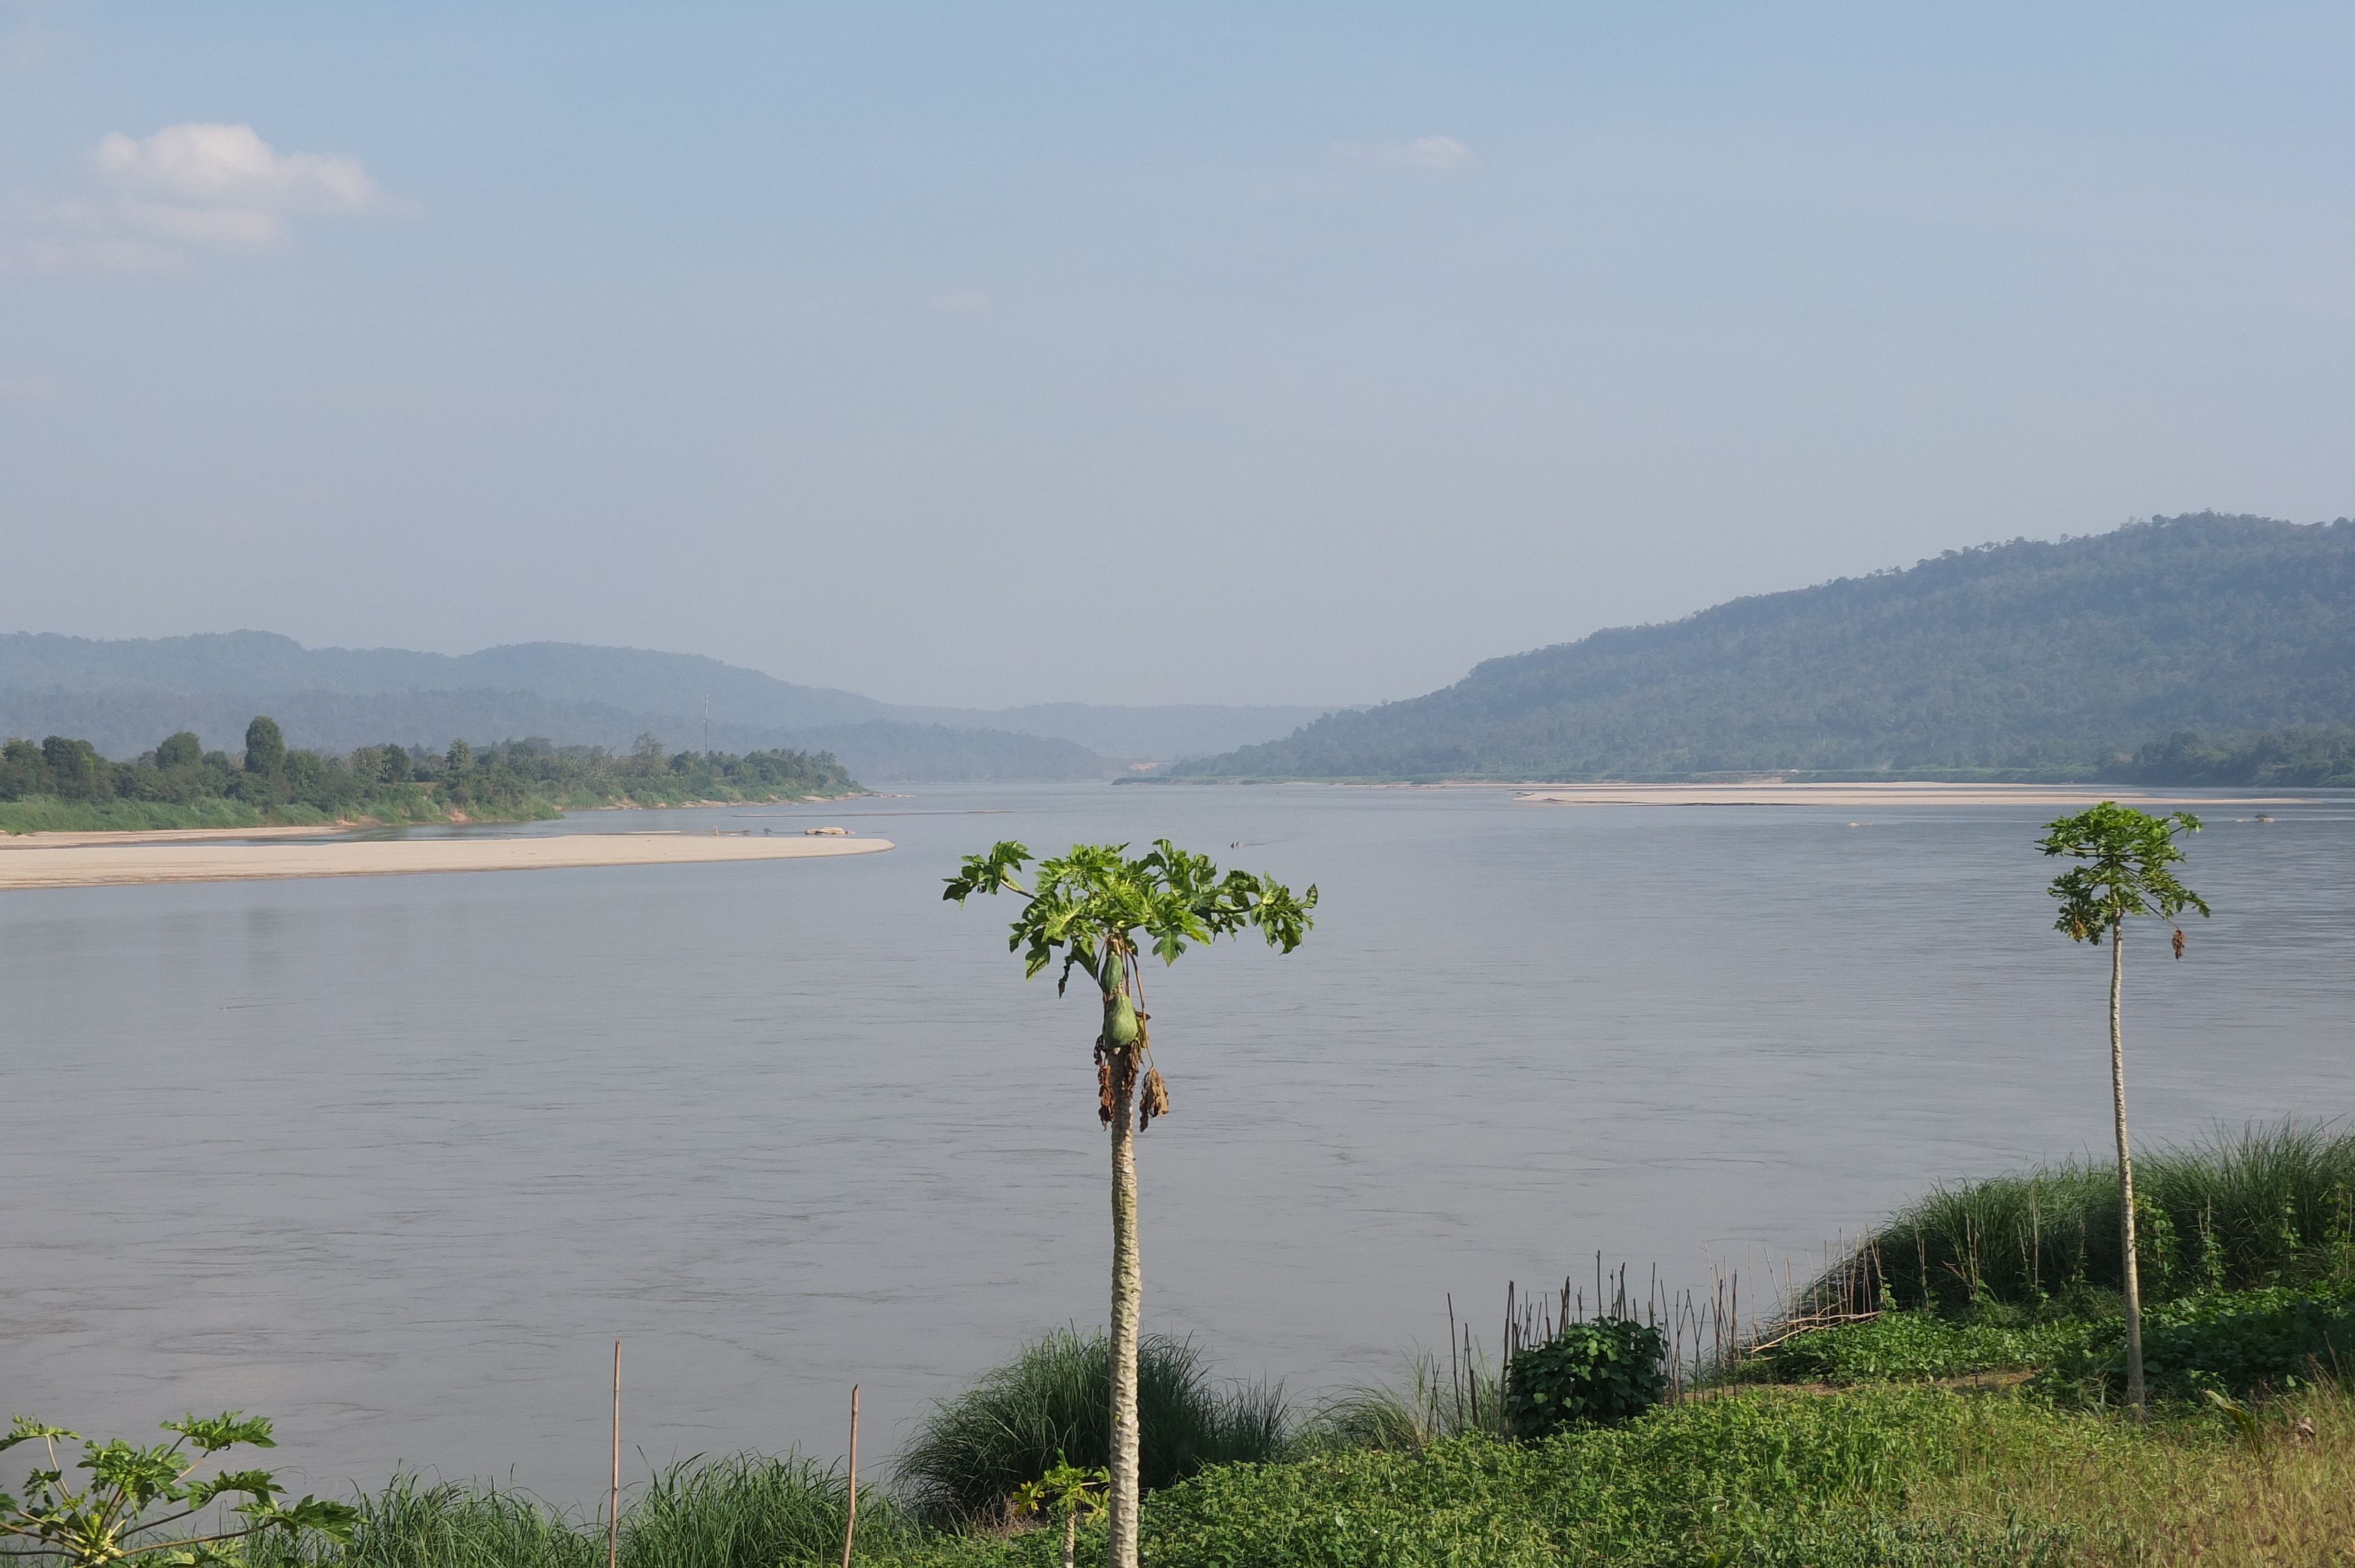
point(1127, 1307)
point(2134, 1393)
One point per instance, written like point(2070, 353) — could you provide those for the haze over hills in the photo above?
point(124, 695)
point(2023, 655)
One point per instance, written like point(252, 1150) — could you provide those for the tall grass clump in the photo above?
point(1053, 1401)
point(414, 1524)
point(2240, 1210)
point(740, 1511)
point(1464, 1398)
point(751, 1510)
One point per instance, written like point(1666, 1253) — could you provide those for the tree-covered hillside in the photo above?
point(2021, 656)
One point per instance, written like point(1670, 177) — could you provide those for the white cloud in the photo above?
point(230, 165)
point(1436, 153)
point(187, 189)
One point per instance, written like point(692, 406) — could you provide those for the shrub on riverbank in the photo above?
point(1053, 1401)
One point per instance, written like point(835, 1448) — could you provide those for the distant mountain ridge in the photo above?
point(115, 693)
point(2026, 654)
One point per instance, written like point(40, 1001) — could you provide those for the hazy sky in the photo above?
point(1007, 353)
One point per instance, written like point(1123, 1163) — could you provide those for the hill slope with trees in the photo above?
point(2052, 657)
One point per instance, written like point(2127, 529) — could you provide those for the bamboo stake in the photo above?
point(614, 1498)
point(850, 1523)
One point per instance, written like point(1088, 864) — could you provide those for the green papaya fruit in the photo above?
point(1120, 1021)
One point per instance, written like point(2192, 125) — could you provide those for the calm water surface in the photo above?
point(395, 1159)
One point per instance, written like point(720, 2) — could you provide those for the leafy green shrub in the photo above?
point(2233, 1342)
point(1903, 1346)
point(1053, 1404)
point(1607, 1371)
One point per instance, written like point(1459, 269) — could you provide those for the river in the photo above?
point(395, 1159)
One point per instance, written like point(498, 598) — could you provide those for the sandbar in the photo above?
point(116, 862)
point(1774, 792)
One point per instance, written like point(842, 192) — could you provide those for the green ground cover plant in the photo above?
point(1899, 1346)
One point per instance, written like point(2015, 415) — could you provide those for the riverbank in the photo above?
point(265, 854)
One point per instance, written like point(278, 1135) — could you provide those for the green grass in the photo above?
point(1053, 1401)
point(742, 1511)
point(2260, 1207)
point(1467, 1399)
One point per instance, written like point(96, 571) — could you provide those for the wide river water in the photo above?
point(395, 1159)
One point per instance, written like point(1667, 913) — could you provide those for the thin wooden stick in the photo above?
point(614, 1498)
point(850, 1524)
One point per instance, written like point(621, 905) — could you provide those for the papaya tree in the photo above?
point(145, 1502)
point(2127, 854)
point(1101, 910)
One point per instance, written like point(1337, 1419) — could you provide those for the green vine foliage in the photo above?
point(1600, 1372)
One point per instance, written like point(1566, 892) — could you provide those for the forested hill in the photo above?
point(2025, 655)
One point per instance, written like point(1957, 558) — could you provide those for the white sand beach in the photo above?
point(1773, 792)
point(100, 859)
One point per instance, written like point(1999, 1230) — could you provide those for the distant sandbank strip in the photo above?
point(1773, 793)
point(90, 862)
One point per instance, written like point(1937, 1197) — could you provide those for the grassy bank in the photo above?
point(1871, 1477)
point(2241, 1210)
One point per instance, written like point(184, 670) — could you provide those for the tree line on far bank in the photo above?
point(2319, 756)
point(512, 778)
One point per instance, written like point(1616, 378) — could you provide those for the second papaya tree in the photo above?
point(2125, 857)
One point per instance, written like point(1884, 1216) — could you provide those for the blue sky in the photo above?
point(1002, 354)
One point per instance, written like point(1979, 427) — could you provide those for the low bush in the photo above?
point(1605, 1370)
point(1053, 1404)
point(2233, 1342)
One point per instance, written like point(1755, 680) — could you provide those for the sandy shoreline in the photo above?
point(1773, 792)
point(102, 861)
